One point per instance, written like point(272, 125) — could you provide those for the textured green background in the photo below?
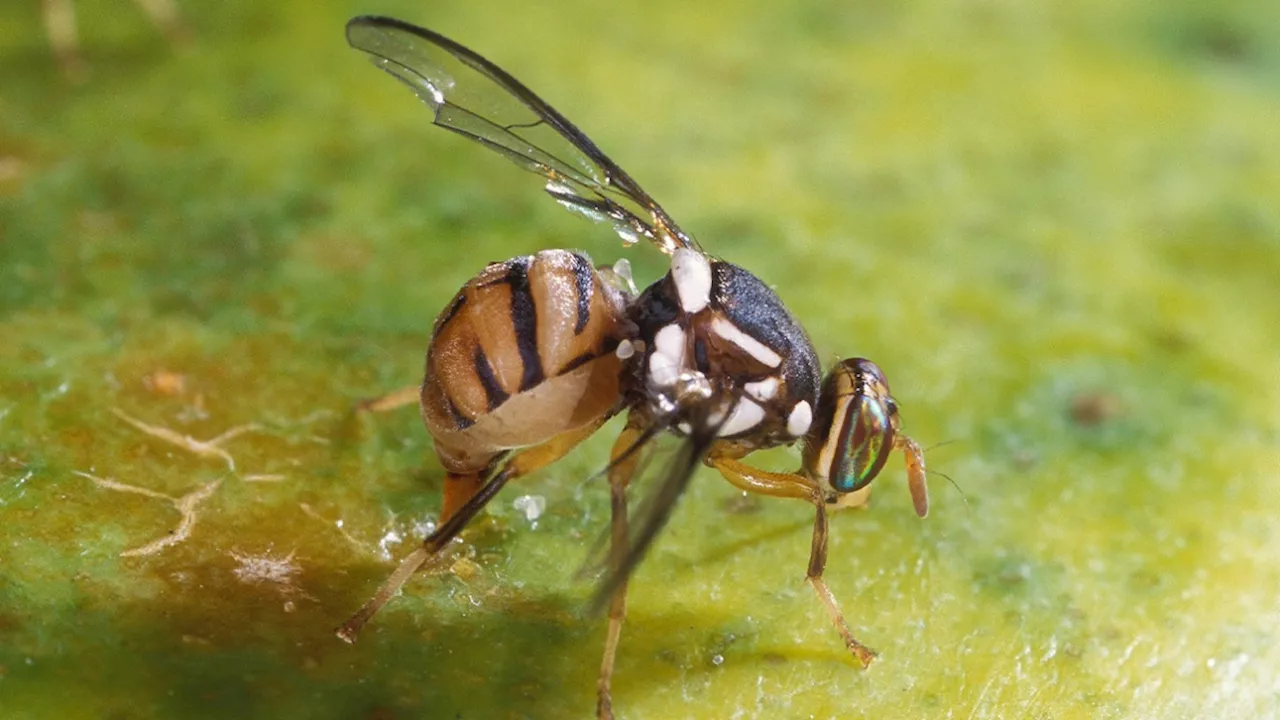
point(1017, 210)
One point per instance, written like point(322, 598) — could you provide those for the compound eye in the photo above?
point(865, 441)
point(855, 427)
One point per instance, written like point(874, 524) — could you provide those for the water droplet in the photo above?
point(532, 506)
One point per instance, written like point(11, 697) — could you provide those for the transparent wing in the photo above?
point(479, 100)
point(661, 491)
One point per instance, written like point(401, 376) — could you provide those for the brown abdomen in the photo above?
point(542, 328)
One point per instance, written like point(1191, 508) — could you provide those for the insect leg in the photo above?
point(817, 562)
point(622, 467)
point(763, 482)
point(392, 400)
point(797, 486)
point(459, 488)
point(523, 463)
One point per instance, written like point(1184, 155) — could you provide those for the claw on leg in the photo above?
point(863, 654)
point(817, 563)
point(795, 485)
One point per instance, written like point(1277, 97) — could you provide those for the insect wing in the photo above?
point(662, 490)
point(479, 100)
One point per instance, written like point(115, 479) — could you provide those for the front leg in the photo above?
point(762, 482)
point(817, 563)
point(794, 485)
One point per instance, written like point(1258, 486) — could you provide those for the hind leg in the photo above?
point(459, 488)
point(392, 400)
point(466, 495)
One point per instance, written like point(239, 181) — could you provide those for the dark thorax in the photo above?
point(709, 326)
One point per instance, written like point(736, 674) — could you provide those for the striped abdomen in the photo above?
point(516, 356)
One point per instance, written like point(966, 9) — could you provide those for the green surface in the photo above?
point(1056, 228)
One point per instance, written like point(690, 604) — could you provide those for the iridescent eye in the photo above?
point(855, 427)
point(864, 443)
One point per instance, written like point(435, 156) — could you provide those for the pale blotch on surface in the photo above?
point(389, 538)
point(265, 569)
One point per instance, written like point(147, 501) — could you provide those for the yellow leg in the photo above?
point(523, 463)
point(620, 473)
point(797, 486)
point(763, 482)
point(459, 488)
point(390, 401)
point(817, 563)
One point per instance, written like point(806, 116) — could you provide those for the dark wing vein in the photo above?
point(479, 100)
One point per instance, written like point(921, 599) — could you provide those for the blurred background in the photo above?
point(1055, 226)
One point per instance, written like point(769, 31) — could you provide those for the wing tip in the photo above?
point(373, 23)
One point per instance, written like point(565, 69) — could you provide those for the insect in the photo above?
point(534, 354)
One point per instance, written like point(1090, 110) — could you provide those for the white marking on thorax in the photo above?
point(668, 356)
point(746, 415)
point(763, 390)
point(691, 272)
point(800, 419)
point(753, 347)
point(625, 350)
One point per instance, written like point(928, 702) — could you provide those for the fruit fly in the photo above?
point(534, 354)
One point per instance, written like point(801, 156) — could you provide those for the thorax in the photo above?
point(709, 321)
